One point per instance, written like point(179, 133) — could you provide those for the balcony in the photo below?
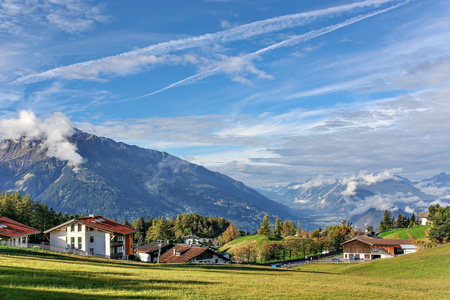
point(116, 255)
point(117, 244)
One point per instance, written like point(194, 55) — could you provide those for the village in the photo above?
point(102, 237)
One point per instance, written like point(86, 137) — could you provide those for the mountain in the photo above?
point(126, 182)
point(438, 185)
point(360, 200)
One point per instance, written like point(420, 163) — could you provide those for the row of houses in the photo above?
point(181, 253)
point(97, 235)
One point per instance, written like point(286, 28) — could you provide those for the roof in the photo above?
point(12, 228)
point(98, 222)
point(423, 214)
point(379, 242)
point(406, 247)
point(191, 237)
point(187, 253)
point(151, 247)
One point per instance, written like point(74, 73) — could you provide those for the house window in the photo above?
point(72, 227)
point(80, 242)
point(91, 228)
point(79, 227)
point(91, 250)
point(91, 239)
point(72, 243)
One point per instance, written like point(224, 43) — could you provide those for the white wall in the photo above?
point(101, 242)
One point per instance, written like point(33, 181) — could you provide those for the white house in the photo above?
point(93, 234)
point(13, 233)
point(423, 218)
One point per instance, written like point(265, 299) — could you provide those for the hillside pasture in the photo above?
point(417, 232)
point(34, 274)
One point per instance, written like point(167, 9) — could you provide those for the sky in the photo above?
point(266, 92)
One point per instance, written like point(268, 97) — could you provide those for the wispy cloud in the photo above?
point(105, 65)
point(236, 65)
point(72, 16)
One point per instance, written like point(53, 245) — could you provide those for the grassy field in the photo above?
point(31, 274)
point(258, 239)
point(418, 232)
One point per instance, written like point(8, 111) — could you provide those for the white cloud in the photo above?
point(384, 202)
point(312, 183)
point(104, 65)
point(53, 132)
point(72, 16)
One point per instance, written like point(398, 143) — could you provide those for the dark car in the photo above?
point(335, 260)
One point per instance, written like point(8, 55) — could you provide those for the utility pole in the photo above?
point(159, 250)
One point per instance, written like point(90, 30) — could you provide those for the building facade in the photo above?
point(368, 248)
point(94, 234)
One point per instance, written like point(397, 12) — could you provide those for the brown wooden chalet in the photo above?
point(191, 254)
point(367, 248)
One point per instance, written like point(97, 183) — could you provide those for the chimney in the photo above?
point(91, 215)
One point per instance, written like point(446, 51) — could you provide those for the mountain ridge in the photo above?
point(126, 181)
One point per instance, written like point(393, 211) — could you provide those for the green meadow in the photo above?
point(418, 232)
point(34, 274)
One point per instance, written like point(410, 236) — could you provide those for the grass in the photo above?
point(418, 232)
point(259, 239)
point(26, 273)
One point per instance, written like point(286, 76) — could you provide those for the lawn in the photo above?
point(32, 274)
point(418, 232)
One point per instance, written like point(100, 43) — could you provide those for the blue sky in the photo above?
point(266, 92)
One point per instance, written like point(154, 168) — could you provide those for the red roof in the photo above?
point(380, 242)
point(10, 228)
point(99, 222)
point(186, 254)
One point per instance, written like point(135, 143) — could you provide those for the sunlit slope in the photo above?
point(418, 232)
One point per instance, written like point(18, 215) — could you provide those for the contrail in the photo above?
point(103, 65)
point(285, 43)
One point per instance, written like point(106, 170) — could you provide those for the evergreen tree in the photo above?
point(277, 231)
point(265, 226)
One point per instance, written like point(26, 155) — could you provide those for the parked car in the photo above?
point(335, 260)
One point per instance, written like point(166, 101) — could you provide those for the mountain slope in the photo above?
point(122, 181)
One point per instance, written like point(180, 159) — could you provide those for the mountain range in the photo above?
point(362, 199)
point(126, 182)
point(122, 181)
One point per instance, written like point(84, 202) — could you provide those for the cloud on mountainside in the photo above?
point(53, 132)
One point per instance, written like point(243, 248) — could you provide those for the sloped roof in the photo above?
point(187, 253)
point(423, 214)
point(151, 247)
point(98, 222)
point(380, 242)
point(12, 228)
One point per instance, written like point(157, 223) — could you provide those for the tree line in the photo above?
point(293, 242)
point(174, 229)
point(389, 222)
point(31, 213)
